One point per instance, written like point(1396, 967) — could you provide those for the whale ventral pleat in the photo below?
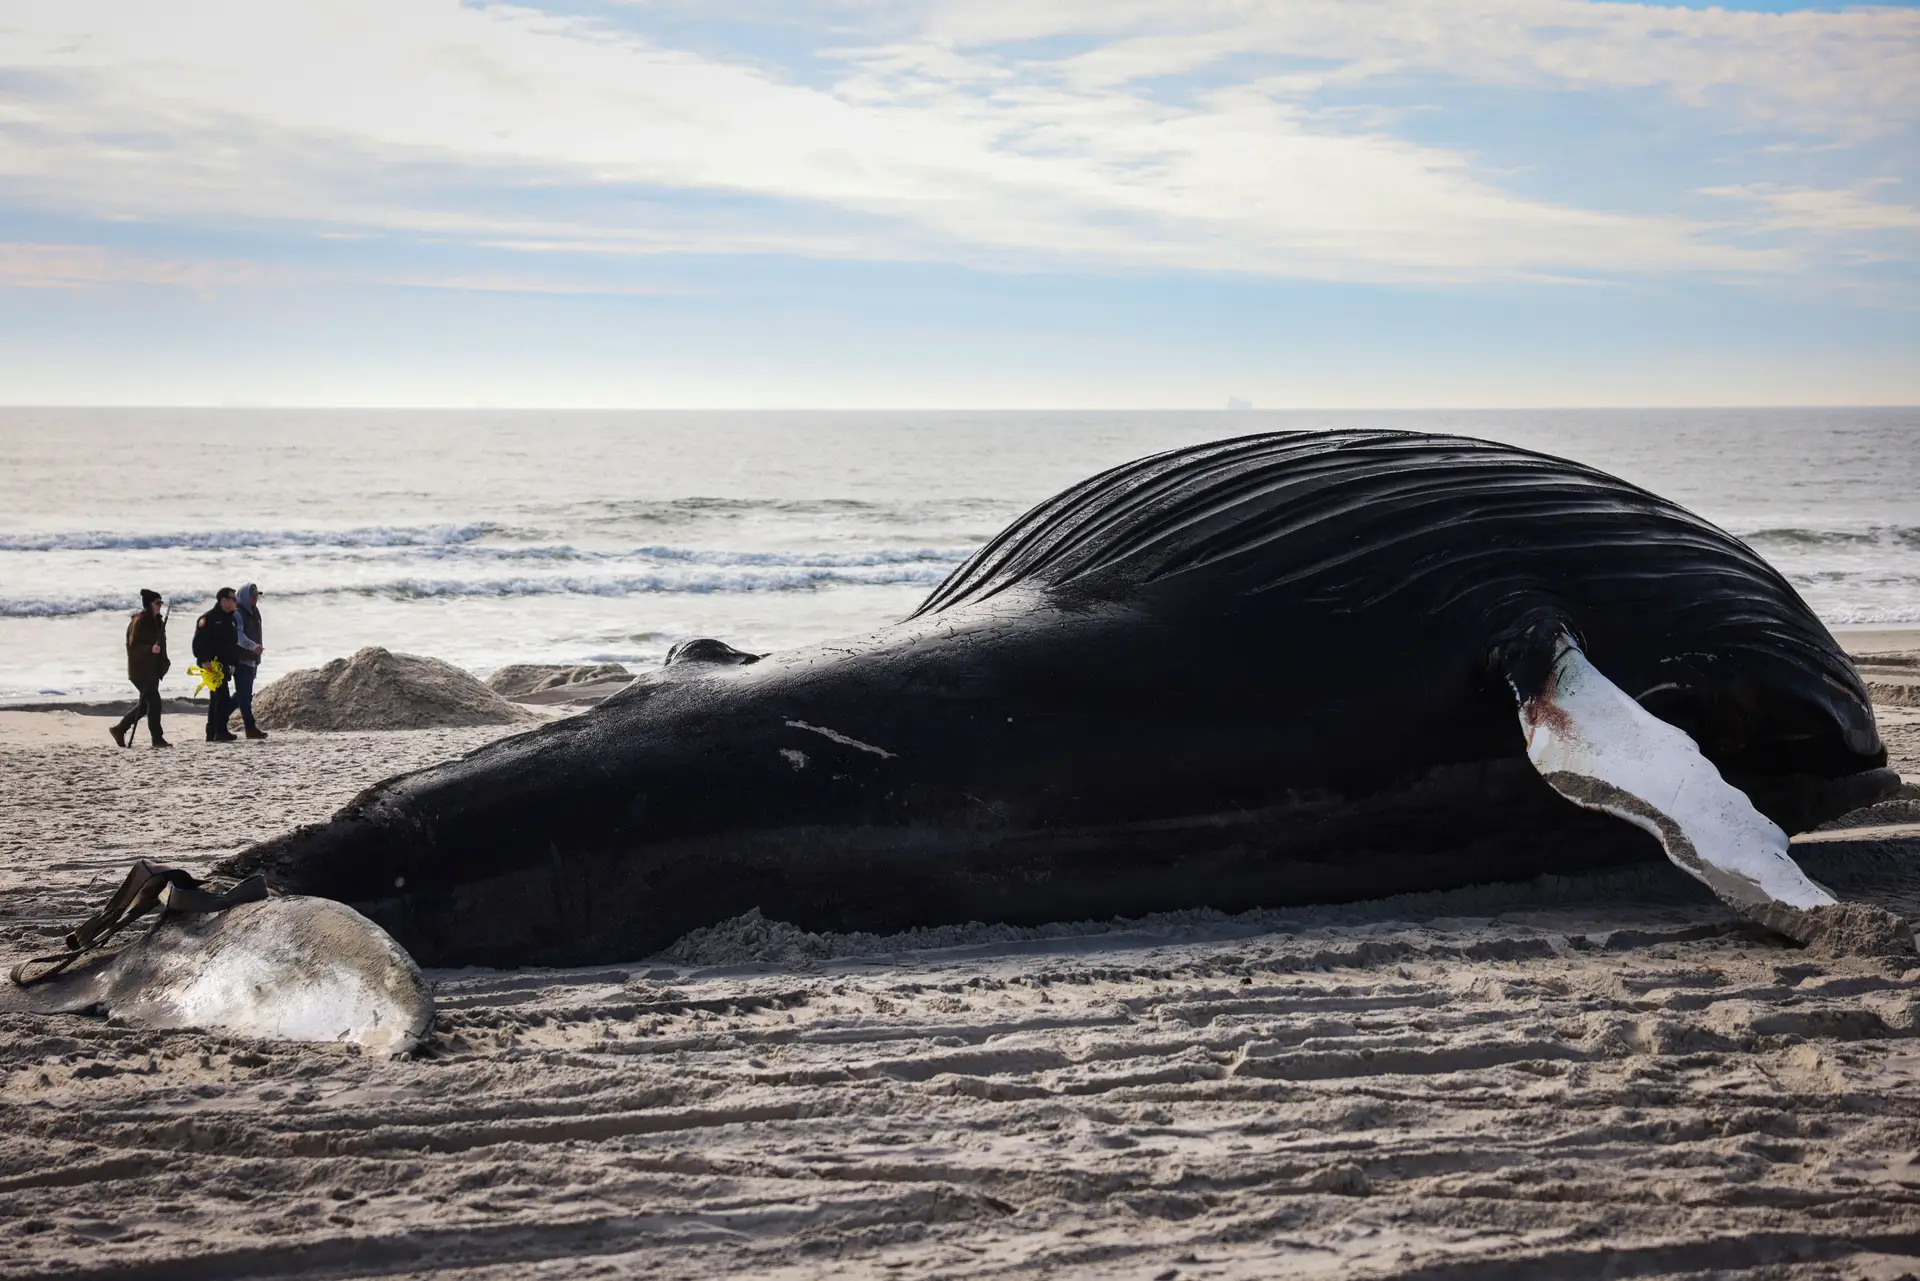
point(1443, 551)
point(1354, 515)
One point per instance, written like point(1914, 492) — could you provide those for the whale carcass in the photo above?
point(1279, 669)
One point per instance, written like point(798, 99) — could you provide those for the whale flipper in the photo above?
point(1596, 746)
point(289, 969)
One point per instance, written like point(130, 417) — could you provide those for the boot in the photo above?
point(256, 733)
point(161, 742)
point(223, 736)
point(119, 733)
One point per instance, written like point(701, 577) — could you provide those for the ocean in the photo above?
point(490, 537)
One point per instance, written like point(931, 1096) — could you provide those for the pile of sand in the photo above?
point(519, 679)
point(376, 689)
point(1893, 678)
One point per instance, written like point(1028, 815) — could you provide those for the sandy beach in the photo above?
point(1601, 1076)
point(1010, 462)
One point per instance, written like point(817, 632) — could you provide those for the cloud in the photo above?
point(1008, 134)
point(1854, 73)
point(28, 265)
point(1841, 212)
point(32, 265)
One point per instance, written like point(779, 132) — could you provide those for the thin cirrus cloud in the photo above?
point(1854, 73)
point(29, 265)
point(61, 266)
point(1850, 210)
point(1259, 139)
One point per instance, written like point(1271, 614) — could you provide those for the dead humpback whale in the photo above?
point(1278, 669)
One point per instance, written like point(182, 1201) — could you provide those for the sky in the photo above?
point(959, 203)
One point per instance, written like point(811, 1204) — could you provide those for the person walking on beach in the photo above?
point(147, 662)
point(246, 620)
point(217, 635)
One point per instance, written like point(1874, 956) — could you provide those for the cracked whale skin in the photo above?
point(1263, 671)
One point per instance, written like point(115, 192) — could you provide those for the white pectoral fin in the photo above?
point(1601, 750)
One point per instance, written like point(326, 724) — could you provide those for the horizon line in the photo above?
point(1223, 410)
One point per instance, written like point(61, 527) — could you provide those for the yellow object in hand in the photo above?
point(212, 676)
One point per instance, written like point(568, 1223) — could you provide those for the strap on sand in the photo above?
point(169, 888)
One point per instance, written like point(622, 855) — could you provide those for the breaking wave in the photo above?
point(1848, 616)
point(1905, 536)
point(770, 578)
point(457, 542)
point(32, 608)
point(797, 579)
point(945, 556)
point(250, 540)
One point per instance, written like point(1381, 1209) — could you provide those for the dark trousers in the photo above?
point(148, 706)
point(219, 708)
point(243, 674)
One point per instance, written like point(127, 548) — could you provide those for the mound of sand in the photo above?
point(518, 679)
point(376, 689)
point(1893, 678)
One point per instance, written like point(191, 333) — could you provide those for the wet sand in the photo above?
point(1603, 1076)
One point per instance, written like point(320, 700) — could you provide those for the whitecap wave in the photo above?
point(30, 607)
point(251, 539)
point(716, 557)
point(769, 578)
point(1793, 536)
point(784, 579)
point(946, 556)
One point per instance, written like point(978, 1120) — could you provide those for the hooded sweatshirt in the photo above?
point(246, 620)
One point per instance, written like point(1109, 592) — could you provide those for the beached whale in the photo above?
point(1285, 668)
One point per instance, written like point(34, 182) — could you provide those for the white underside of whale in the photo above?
point(285, 969)
point(1601, 750)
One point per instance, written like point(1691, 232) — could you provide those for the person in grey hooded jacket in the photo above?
point(247, 621)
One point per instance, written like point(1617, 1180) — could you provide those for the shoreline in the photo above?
point(1876, 638)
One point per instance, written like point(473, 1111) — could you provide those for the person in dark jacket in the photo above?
point(217, 635)
point(246, 621)
point(147, 662)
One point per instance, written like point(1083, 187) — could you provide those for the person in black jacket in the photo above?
point(217, 635)
point(147, 662)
